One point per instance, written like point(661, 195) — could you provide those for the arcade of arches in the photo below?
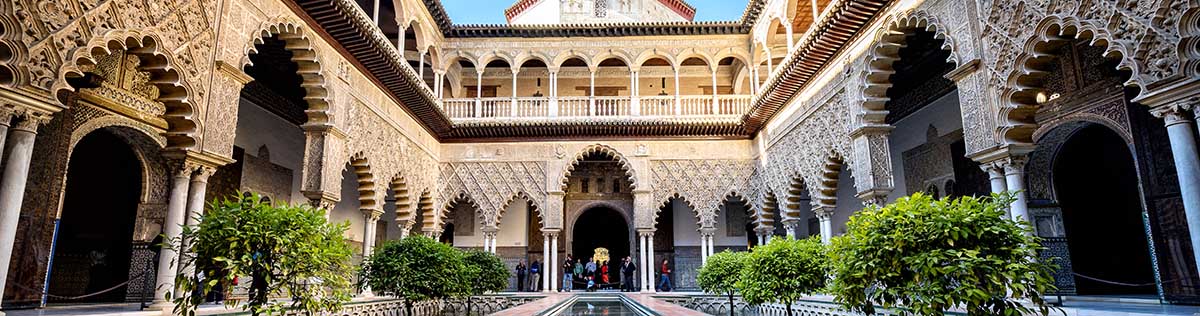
point(653, 141)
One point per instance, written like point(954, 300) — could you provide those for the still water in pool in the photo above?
point(613, 308)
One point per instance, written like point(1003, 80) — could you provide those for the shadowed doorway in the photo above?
point(601, 227)
point(95, 233)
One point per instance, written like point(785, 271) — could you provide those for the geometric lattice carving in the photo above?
point(492, 185)
point(703, 184)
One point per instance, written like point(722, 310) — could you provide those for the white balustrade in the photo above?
point(574, 106)
point(614, 106)
point(663, 105)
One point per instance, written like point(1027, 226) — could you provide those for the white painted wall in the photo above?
point(943, 113)
point(257, 127)
point(514, 226)
point(347, 210)
point(722, 237)
point(685, 224)
point(544, 12)
point(847, 202)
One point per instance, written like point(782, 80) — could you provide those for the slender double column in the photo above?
point(706, 243)
point(645, 253)
point(195, 210)
point(370, 222)
point(489, 238)
point(168, 258)
point(553, 92)
point(12, 186)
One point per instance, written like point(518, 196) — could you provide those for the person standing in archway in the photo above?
point(535, 275)
point(664, 279)
point(521, 270)
point(568, 282)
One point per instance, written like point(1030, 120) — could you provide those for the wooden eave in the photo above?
point(838, 27)
point(371, 53)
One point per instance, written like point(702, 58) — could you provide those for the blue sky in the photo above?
point(492, 11)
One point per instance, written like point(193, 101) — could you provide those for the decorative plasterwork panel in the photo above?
point(703, 184)
point(493, 185)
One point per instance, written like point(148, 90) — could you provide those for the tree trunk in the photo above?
point(789, 308)
point(468, 305)
point(730, 303)
point(408, 306)
point(258, 286)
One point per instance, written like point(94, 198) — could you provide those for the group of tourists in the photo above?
point(594, 275)
point(534, 271)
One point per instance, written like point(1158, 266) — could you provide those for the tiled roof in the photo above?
point(451, 30)
point(680, 7)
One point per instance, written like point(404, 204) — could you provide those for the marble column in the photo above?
point(634, 110)
point(592, 94)
point(168, 257)
point(678, 103)
point(545, 262)
point(787, 26)
point(716, 105)
point(553, 111)
point(553, 268)
point(478, 93)
point(421, 66)
point(706, 240)
point(195, 209)
point(653, 264)
point(1014, 174)
point(515, 71)
point(711, 246)
point(825, 216)
point(789, 227)
point(1181, 130)
point(642, 257)
point(12, 186)
point(370, 219)
point(995, 173)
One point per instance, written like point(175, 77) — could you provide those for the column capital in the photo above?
point(823, 211)
point(372, 214)
point(646, 232)
point(203, 173)
point(707, 231)
point(490, 229)
point(1177, 112)
point(30, 120)
point(321, 201)
point(1014, 164)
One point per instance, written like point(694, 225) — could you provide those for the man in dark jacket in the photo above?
point(627, 271)
point(521, 276)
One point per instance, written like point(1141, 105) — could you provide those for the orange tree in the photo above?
point(922, 256)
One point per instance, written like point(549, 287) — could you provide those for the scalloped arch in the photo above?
point(886, 51)
point(599, 149)
point(368, 198)
point(316, 95)
point(174, 91)
point(1033, 65)
point(526, 196)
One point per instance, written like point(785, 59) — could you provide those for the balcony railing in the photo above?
point(577, 107)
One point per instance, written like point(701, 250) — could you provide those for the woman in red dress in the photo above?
point(604, 273)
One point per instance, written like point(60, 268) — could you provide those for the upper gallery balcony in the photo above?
point(573, 107)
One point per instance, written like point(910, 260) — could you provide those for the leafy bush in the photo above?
point(783, 271)
point(487, 273)
point(927, 255)
point(286, 250)
point(418, 268)
point(720, 273)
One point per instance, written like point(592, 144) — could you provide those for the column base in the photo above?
point(168, 308)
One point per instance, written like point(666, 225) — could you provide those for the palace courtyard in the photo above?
point(590, 129)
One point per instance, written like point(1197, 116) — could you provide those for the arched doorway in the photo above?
point(602, 227)
point(93, 244)
point(1096, 184)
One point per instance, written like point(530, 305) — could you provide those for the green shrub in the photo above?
point(925, 256)
point(783, 271)
point(418, 268)
point(286, 250)
point(487, 273)
point(720, 274)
